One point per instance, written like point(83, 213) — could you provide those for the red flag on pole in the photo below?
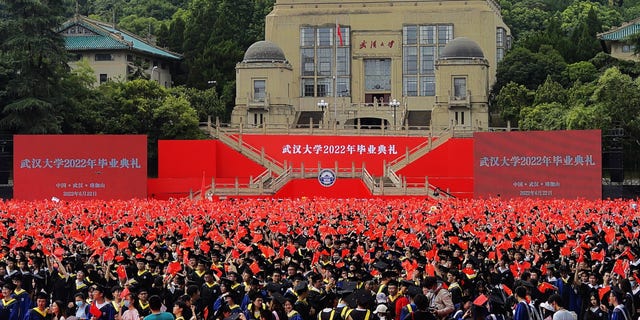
point(122, 272)
point(94, 310)
point(339, 33)
point(202, 187)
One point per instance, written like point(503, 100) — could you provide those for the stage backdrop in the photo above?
point(80, 167)
point(538, 164)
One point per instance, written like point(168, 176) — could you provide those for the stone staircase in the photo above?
point(278, 174)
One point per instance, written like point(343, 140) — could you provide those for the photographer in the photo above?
point(423, 312)
point(440, 298)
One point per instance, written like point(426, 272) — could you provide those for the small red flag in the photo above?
point(543, 287)
point(174, 267)
point(507, 290)
point(94, 310)
point(255, 267)
point(339, 32)
point(480, 300)
point(122, 272)
point(603, 291)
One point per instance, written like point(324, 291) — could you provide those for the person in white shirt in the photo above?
point(561, 313)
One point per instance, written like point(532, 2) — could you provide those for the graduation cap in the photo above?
point(382, 266)
point(301, 287)
point(413, 291)
point(389, 274)
point(361, 296)
point(346, 288)
point(278, 297)
point(273, 287)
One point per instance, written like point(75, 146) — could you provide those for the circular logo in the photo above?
point(327, 177)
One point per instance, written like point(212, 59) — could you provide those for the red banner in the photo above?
point(80, 167)
point(538, 164)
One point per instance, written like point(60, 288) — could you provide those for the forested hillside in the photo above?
point(554, 77)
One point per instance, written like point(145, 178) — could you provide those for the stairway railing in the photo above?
point(420, 150)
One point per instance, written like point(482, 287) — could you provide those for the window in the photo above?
point(628, 48)
point(410, 60)
point(103, 78)
point(421, 45)
point(460, 87)
point(103, 57)
point(410, 35)
point(323, 59)
point(259, 90)
point(307, 37)
point(427, 35)
point(325, 62)
point(344, 88)
point(325, 87)
point(75, 57)
point(459, 117)
point(427, 60)
point(428, 86)
point(308, 87)
point(503, 42)
point(377, 74)
point(410, 86)
point(325, 37)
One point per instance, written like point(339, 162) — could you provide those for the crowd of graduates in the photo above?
point(320, 259)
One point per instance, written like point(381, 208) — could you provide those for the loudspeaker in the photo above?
point(615, 164)
point(5, 168)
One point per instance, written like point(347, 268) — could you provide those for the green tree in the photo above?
point(35, 54)
point(578, 11)
point(552, 36)
point(526, 16)
point(619, 95)
point(512, 98)
point(529, 69)
point(580, 94)
point(586, 117)
point(550, 91)
point(206, 103)
point(145, 27)
point(78, 116)
point(545, 116)
point(583, 71)
point(175, 119)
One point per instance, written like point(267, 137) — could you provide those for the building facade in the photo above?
point(616, 41)
point(374, 63)
point(116, 55)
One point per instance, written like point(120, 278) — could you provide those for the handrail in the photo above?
point(256, 150)
point(257, 155)
point(430, 143)
point(281, 180)
point(262, 178)
point(394, 177)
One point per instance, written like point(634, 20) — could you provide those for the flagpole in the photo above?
point(335, 77)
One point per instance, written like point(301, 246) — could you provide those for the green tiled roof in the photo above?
point(143, 46)
point(107, 37)
point(92, 43)
point(622, 32)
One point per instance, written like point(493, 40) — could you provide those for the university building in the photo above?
point(616, 43)
point(115, 54)
point(392, 64)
